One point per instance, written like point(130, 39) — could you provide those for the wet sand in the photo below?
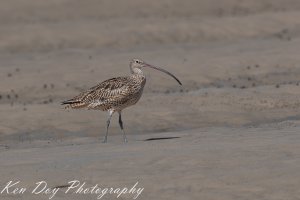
point(230, 132)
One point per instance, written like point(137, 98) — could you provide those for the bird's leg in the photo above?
point(107, 125)
point(121, 126)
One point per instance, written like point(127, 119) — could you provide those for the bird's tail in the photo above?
point(75, 104)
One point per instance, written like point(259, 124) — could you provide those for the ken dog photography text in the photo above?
point(74, 187)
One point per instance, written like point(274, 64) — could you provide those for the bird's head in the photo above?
point(137, 64)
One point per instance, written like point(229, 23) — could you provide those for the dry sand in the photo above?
point(235, 119)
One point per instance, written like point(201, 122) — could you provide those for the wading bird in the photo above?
point(115, 94)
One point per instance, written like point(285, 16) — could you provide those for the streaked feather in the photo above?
point(113, 93)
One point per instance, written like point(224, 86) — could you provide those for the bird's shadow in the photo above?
point(161, 138)
point(61, 186)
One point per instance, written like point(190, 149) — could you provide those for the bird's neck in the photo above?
point(136, 71)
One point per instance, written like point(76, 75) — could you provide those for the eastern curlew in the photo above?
point(115, 94)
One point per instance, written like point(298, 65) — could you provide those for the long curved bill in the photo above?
point(162, 70)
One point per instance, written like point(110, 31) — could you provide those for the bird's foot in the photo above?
point(125, 140)
point(105, 140)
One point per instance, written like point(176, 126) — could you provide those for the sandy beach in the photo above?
point(229, 132)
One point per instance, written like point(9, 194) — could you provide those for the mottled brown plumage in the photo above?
point(115, 94)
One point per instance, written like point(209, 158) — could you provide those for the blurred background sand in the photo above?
point(238, 61)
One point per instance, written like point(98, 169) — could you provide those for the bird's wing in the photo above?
point(111, 84)
point(112, 88)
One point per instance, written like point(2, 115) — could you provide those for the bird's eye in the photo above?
point(136, 61)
